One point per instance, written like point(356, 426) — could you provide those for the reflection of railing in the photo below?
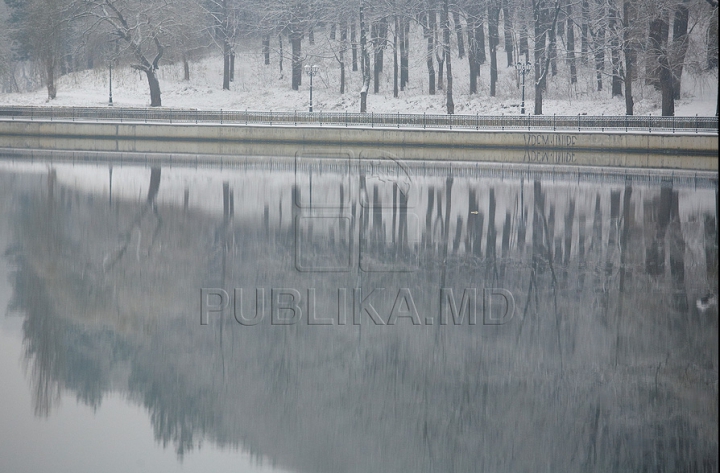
point(386, 120)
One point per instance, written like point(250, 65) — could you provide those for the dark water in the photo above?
point(581, 345)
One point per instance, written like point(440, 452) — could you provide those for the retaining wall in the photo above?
point(657, 150)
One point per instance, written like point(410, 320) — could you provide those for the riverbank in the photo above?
point(687, 150)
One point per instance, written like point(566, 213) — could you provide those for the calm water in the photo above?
point(396, 317)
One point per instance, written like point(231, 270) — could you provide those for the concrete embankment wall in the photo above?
point(656, 150)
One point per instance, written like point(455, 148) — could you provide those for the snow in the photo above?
point(263, 87)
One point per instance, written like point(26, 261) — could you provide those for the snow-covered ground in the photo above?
point(263, 87)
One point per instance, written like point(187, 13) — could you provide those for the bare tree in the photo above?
point(224, 25)
point(570, 43)
point(629, 50)
point(446, 40)
point(494, 38)
point(429, 25)
point(142, 27)
point(508, 31)
point(364, 60)
point(541, 12)
point(40, 28)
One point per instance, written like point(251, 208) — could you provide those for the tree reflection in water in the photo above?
point(606, 366)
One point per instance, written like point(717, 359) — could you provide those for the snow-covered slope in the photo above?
point(263, 87)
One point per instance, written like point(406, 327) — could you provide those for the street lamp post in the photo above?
point(523, 69)
point(311, 71)
point(110, 102)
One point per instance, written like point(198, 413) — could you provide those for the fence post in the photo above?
point(372, 119)
point(450, 121)
point(602, 122)
point(398, 119)
point(345, 118)
point(578, 122)
point(650, 124)
point(477, 121)
point(502, 121)
point(423, 120)
point(553, 122)
point(696, 123)
point(673, 123)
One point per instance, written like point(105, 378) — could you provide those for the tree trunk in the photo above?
point(666, 87)
point(396, 93)
point(377, 56)
point(446, 39)
point(524, 49)
point(570, 34)
point(472, 53)
point(507, 27)
point(711, 48)
point(561, 19)
point(584, 47)
point(494, 38)
point(266, 49)
point(544, 27)
point(376, 71)
point(657, 40)
point(280, 41)
point(154, 88)
point(459, 33)
point(539, 51)
point(599, 49)
point(401, 39)
point(616, 88)
point(542, 60)
point(226, 65)
point(353, 46)
point(629, 18)
point(50, 77)
point(232, 65)
point(186, 68)
point(429, 34)
point(680, 46)
point(296, 44)
point(342, 72)
point(440, 57)
point(382, 41)
point(538, 100)
point(405, 57)
point(552, 46)
point(343, 47)
point(364, 61)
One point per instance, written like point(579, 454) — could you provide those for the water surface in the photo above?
point(348, 358)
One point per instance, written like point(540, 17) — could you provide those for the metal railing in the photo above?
point(385, 120)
